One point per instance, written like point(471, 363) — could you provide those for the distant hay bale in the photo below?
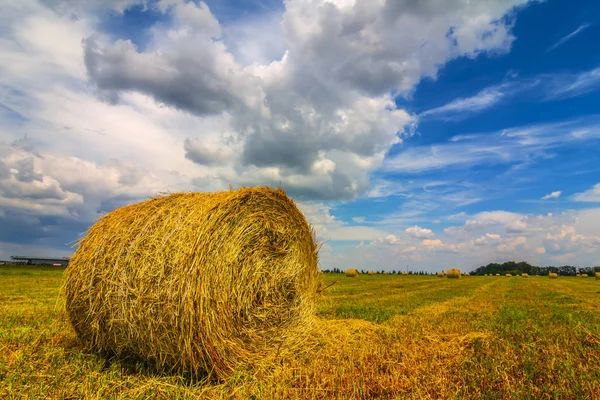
point(405, 273)
point(453, 273)
point(584, 275)
point(553, 275)
point(351, 273)
point(525, 275)
point(597, 275)
point(372, 273)
point(497, 274)
point(509, 275)
point(440, 274)
point(196, 282)
point(578, 275)
point(385, 273)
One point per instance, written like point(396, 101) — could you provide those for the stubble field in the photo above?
point(379, 336)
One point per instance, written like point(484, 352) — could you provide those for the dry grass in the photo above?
point(200, 283)
point(553, 275)
point(351, 273)
point(434, 339)
point(453, 273)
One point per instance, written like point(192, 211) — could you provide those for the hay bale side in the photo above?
point(440, 274)
point(351, 273)
point(597, 275)
point(196, 282)
point(453, 273)
point(553, 275)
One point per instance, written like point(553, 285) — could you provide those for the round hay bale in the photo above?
point(372, 273)
point(553, 275)
point(351, 273)
point(404, 272)
point(497, 274)
point(453, 273)
point(200, 283)
point(597, 275)
point(525, 275)
point(440, 274)
point(584, 275)
point(509, 275)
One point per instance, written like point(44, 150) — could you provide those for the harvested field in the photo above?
point(381, 336)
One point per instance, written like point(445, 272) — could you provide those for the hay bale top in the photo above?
point(453, 273)
point(196, 282)
point(351, 272)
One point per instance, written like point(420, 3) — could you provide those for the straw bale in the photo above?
point(440, 274)
point(509, 275)
point(497, 274)
point(525, 275)
point(578, 275)
point(553, 275)
point(351, 273)
point(597, 276)
point(201, 283)
point(404, 272)
point(453, 273)
point(372, 273)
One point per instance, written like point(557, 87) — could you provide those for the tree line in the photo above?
point(517, 268)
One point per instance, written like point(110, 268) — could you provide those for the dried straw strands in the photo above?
point(196, 282)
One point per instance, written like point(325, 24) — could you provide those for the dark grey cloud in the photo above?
point(26, 171)
point(203, 154)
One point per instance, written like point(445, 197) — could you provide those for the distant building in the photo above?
point(41, 260)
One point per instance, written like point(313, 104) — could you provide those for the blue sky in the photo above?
point(424, 134)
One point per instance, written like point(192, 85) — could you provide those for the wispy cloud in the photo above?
point(570, 36)
point(571, 85)
point(503, 147)
point(486, 98)
point(543, 87)
point(553, 195)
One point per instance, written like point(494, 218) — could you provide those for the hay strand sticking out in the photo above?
point(351, 272)
point(453, 273)
point(553, 275)
point(196, 282)
point(440, 274)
